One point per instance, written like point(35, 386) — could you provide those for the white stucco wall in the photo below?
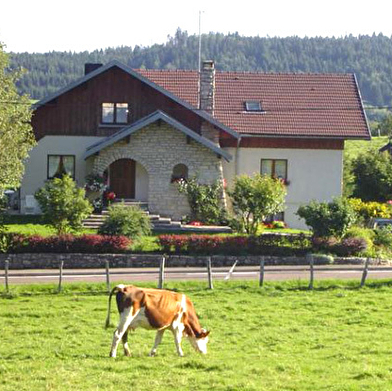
point(37, 163)
point(313, 174)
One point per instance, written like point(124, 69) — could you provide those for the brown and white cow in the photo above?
point(159, 310)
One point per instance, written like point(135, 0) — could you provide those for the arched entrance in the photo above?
point(122, 174)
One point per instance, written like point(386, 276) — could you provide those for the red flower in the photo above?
point(110, 196)
point(195, 223)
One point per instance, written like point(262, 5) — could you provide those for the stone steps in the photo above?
point(95, 220)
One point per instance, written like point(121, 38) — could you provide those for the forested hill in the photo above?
point(369, 57)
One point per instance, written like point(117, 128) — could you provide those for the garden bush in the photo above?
point(359, 232)
point(383, 237)
point(328, 218)
point(205, 201)
point(371, 209)
point(324, 244)
point(68, 244)
point(350, 246)
point(130, 221)
point(63, 204)
point(255, 198)
point(267, 244)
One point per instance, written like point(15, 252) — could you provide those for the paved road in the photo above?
point(151, 274)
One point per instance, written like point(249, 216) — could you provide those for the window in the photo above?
point(59, 165)
point(180, 173)
point(115, 113)
point(252, 105)
point(277, 168)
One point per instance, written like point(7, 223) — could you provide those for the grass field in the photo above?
point(354, 147)
point(279, 337)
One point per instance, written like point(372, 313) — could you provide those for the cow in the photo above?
point(156, 309)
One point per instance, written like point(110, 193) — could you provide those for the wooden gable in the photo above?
point(77, 112)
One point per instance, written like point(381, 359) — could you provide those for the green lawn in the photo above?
point(280, 337)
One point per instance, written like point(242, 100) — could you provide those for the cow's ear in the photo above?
point(205, 334)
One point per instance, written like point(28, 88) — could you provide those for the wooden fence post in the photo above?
point(311, 265)
point(231, 271)
point(107, 276)
point(262, 267)
point(209, 270)
point(6, 267)
point(60, 276)
point(365, 272)
point(161, 273)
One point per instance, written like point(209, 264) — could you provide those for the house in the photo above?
point(145, 128)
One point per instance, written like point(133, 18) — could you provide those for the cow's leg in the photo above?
point(125, 321)
point(127, 351)
point(178, 332)
point(158, 340)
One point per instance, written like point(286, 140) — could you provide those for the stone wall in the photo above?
point(51, 261)
point(158, 148)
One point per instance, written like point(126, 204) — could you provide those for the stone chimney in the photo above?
point(207, 99)
point(207, 87)
point(90, 67)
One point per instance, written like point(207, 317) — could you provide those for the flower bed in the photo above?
point(68, 244)
point(267, 244)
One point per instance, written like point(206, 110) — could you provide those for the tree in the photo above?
point(16, 135)
point(385, 126)
point(255, 198)
point(63, 204)
point(372, 176)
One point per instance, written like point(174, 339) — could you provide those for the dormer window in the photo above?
point(115, 113)
point(253, 106)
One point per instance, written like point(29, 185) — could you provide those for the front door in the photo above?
point(122, 178)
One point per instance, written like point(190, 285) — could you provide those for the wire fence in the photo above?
point(161, 274)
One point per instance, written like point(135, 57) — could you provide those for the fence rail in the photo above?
point(208, 272)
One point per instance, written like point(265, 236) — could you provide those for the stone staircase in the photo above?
point(158, 222)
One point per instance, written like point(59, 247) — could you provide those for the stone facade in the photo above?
point(158, 148)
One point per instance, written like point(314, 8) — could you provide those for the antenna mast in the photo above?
point(200, 12)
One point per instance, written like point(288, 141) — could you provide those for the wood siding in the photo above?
point(78, 111)
point(291, 143)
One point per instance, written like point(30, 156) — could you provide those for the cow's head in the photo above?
point(200, 341)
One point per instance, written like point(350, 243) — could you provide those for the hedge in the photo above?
point(67, 244)
point(266, 244)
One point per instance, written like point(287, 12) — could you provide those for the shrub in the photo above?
point(205, 201)
point(68, 244)
point(130, 221)
point(328, 219)
point(267, 244)
point(255, 198)
point(372, 209)
point(324, 244)
point(358, 232)
point(63, 204)
point(350, 246)
point(383, 237)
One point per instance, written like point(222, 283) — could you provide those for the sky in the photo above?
point(78, 25)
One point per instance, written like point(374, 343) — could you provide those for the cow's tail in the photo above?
point(113, 291)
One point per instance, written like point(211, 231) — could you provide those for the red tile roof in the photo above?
point(307, 105)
